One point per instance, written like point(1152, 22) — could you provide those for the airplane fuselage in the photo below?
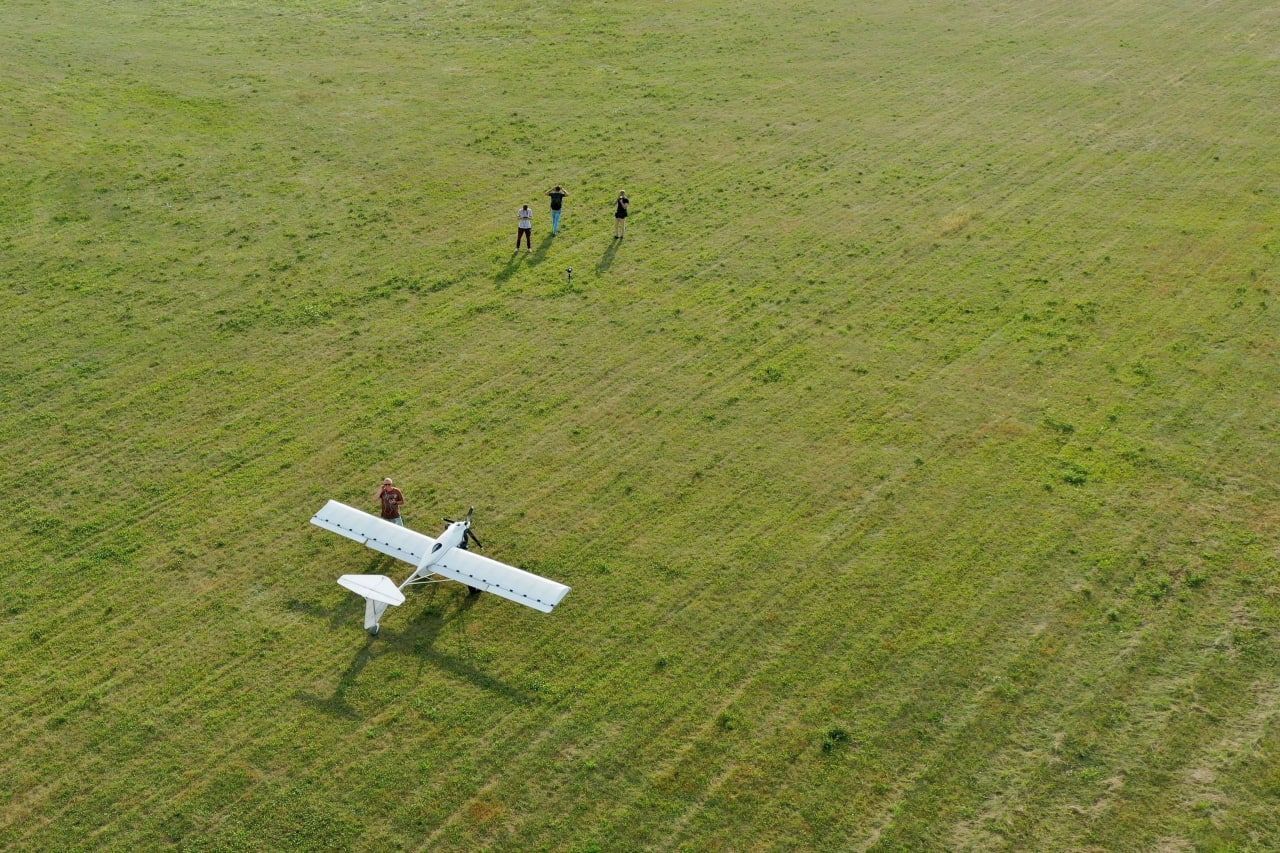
point(452, 537)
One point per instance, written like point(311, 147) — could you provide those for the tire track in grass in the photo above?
point(123, 816)
point(1157, 729)
point(1241, 739)
point(792, 708)
point(888, 812)
point(728, 165)
point(923, 679)
point(1030, 767)
point(926, 765)
point(942, 369)
point(667, 768)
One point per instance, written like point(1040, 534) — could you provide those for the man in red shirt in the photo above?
point(391, 500)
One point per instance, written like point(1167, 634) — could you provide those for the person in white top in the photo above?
point(525, 228)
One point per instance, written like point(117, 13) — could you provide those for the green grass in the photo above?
point(913, 461)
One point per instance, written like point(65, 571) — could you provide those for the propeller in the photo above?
point(466, 534)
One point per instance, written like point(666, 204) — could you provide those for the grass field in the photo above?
point(913, 461)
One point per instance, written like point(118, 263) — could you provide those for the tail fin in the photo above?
point(378, 591)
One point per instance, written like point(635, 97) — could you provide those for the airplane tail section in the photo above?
point(378, 591)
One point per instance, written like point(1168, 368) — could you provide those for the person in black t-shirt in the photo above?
point(620, 216)
point(557, 207)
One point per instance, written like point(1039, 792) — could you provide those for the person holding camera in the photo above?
point(620, 216)
point(557, 207)
point(524, 228)
point(390, 500)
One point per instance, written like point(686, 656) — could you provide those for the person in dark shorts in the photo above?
point(391, 499)
point(557, 207)
point(524, 228)
point(620, 216)
point(471, 590)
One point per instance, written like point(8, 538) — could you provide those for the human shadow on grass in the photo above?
point(513, 264)
point(610, 252)
point(540, 253)
point(417, 640)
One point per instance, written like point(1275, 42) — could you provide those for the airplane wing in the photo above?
point(500, 579)
point(373, 532)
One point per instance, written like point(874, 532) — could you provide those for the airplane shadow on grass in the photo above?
point(417, 640)
point(352, 607)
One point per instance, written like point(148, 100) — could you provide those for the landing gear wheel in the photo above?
point(373, 632)
point(472, 591)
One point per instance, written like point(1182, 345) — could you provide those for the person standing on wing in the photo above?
point(524, 228)
point(557, 203)
point(620, 216)
point(391, 500)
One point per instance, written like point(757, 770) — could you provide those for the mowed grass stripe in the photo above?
point(541, 515)
point(830, 594)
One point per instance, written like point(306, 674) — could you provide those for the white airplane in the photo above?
point(435, 561)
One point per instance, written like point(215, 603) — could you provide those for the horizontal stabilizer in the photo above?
point(379, 588)
point(500, 579)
